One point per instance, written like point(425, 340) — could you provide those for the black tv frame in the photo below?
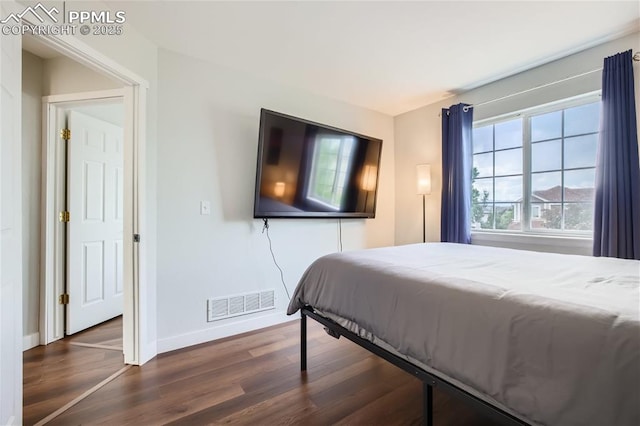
point(307, 215)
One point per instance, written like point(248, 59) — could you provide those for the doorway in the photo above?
point(139, 340)
point(137, 290)
point(80, 170)
point(89, 168)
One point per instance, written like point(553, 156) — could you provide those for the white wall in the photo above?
point(32, 79)
point(418, 138)
point(207, 148)
point(418, 141)
point(63, 75)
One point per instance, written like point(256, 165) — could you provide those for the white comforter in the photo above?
point(553, 338)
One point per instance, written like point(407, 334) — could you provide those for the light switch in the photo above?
point(205, 207)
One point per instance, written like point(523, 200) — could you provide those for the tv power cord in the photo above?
point(265, 229)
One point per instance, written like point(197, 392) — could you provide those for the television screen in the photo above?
point(307, 169)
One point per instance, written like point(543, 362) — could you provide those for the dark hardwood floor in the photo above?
point(55, 374)
point(108, 334)
point(255, 379)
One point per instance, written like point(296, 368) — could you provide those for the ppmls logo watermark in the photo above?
point(40, 20)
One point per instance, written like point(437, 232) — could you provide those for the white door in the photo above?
point(94, 232)
point(10, 227)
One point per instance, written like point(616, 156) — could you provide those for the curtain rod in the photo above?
point(636, 58)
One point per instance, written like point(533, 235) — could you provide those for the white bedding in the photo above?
point(552, 338)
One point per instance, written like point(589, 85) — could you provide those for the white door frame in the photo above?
point(53, 183)
point(139, 311)
point(10, 227)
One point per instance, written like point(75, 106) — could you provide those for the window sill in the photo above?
point(567, 244)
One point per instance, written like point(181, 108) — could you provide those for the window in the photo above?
point(536, 172)
point(330, 168)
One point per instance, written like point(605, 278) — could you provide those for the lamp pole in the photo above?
point(424, 226)
point(423, 174)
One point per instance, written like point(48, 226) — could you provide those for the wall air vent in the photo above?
point(252, 301)
point(267, 299)
point(218, 308)
point(240, 304)
point(236, 305)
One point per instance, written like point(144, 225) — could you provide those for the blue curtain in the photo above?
point(617, 204)
point(455, 221)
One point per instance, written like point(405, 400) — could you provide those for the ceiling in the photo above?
point(387, 56)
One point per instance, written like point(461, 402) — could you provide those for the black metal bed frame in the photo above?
point(429, 380)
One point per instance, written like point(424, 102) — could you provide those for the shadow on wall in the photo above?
point(235, 139)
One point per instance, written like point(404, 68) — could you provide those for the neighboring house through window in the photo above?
point(534, 170)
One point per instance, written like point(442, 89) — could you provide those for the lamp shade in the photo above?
point(423, 174)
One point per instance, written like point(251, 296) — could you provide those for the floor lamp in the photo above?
point(423, 173)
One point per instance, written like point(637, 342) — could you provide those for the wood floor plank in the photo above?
point(157, 410)
point(340, 401)
point(55, 374)
point(394, 407)
point(108, 333)
point(255, 378)
point(81, 397)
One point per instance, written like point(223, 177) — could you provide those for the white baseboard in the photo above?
point(201, 336)
point(30, 341)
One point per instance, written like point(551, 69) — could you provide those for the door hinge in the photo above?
point(65, 134)
point(64, 299)
point(136, 238)
point(64, 216)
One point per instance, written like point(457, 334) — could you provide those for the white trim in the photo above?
point(75, 49)
point(525, 204)
point(53, 195)
point(84, 96)
point(201, 336)
point(47, 269)
point(139, 310)
point(30, 341)
point(11, 223)
point(535, 242)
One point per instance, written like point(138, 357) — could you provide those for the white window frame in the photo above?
point(526, 229)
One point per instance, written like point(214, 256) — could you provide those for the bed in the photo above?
point(531, 338)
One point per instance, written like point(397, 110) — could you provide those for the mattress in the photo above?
point(553, 339)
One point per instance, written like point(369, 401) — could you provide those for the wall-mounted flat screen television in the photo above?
point(310, 170)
